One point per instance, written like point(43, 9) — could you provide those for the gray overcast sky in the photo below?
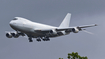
point(52, 12)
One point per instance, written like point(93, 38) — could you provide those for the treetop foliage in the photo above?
point(75, 56)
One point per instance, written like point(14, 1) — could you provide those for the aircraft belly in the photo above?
point(35, 34)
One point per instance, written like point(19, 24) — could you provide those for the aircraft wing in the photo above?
point(85, 26)
point(64, 28)
point(79, 27)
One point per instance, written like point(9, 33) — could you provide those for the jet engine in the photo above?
point(53, 32)
point(9, 35)
point(75, 30)
point(15, 34)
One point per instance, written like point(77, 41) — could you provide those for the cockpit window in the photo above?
point(15, 19)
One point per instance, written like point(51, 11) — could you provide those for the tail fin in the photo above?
point(66, 21)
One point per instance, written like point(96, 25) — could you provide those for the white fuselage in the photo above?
point(29, 27)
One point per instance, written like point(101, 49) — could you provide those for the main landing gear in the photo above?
point(46, 39)
point(43, 38)
point(39, 39)
point(30, 39)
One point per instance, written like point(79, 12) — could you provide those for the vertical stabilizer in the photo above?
point(66, 21)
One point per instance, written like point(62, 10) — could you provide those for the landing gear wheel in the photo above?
point(44, 39)
point(30, 39)
point(47, 39)
point(38, 40)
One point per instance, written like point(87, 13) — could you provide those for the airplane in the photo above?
point(42, 32)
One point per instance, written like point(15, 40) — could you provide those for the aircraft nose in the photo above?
point(11, 23)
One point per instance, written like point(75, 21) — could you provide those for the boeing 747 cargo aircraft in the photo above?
point(40, 31)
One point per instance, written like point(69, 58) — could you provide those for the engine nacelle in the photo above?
point(53, 32)
point(75, 30)
point(15, 34)
point(9, 35)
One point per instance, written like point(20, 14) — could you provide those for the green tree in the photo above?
point(60, 58)
point(74, 56)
